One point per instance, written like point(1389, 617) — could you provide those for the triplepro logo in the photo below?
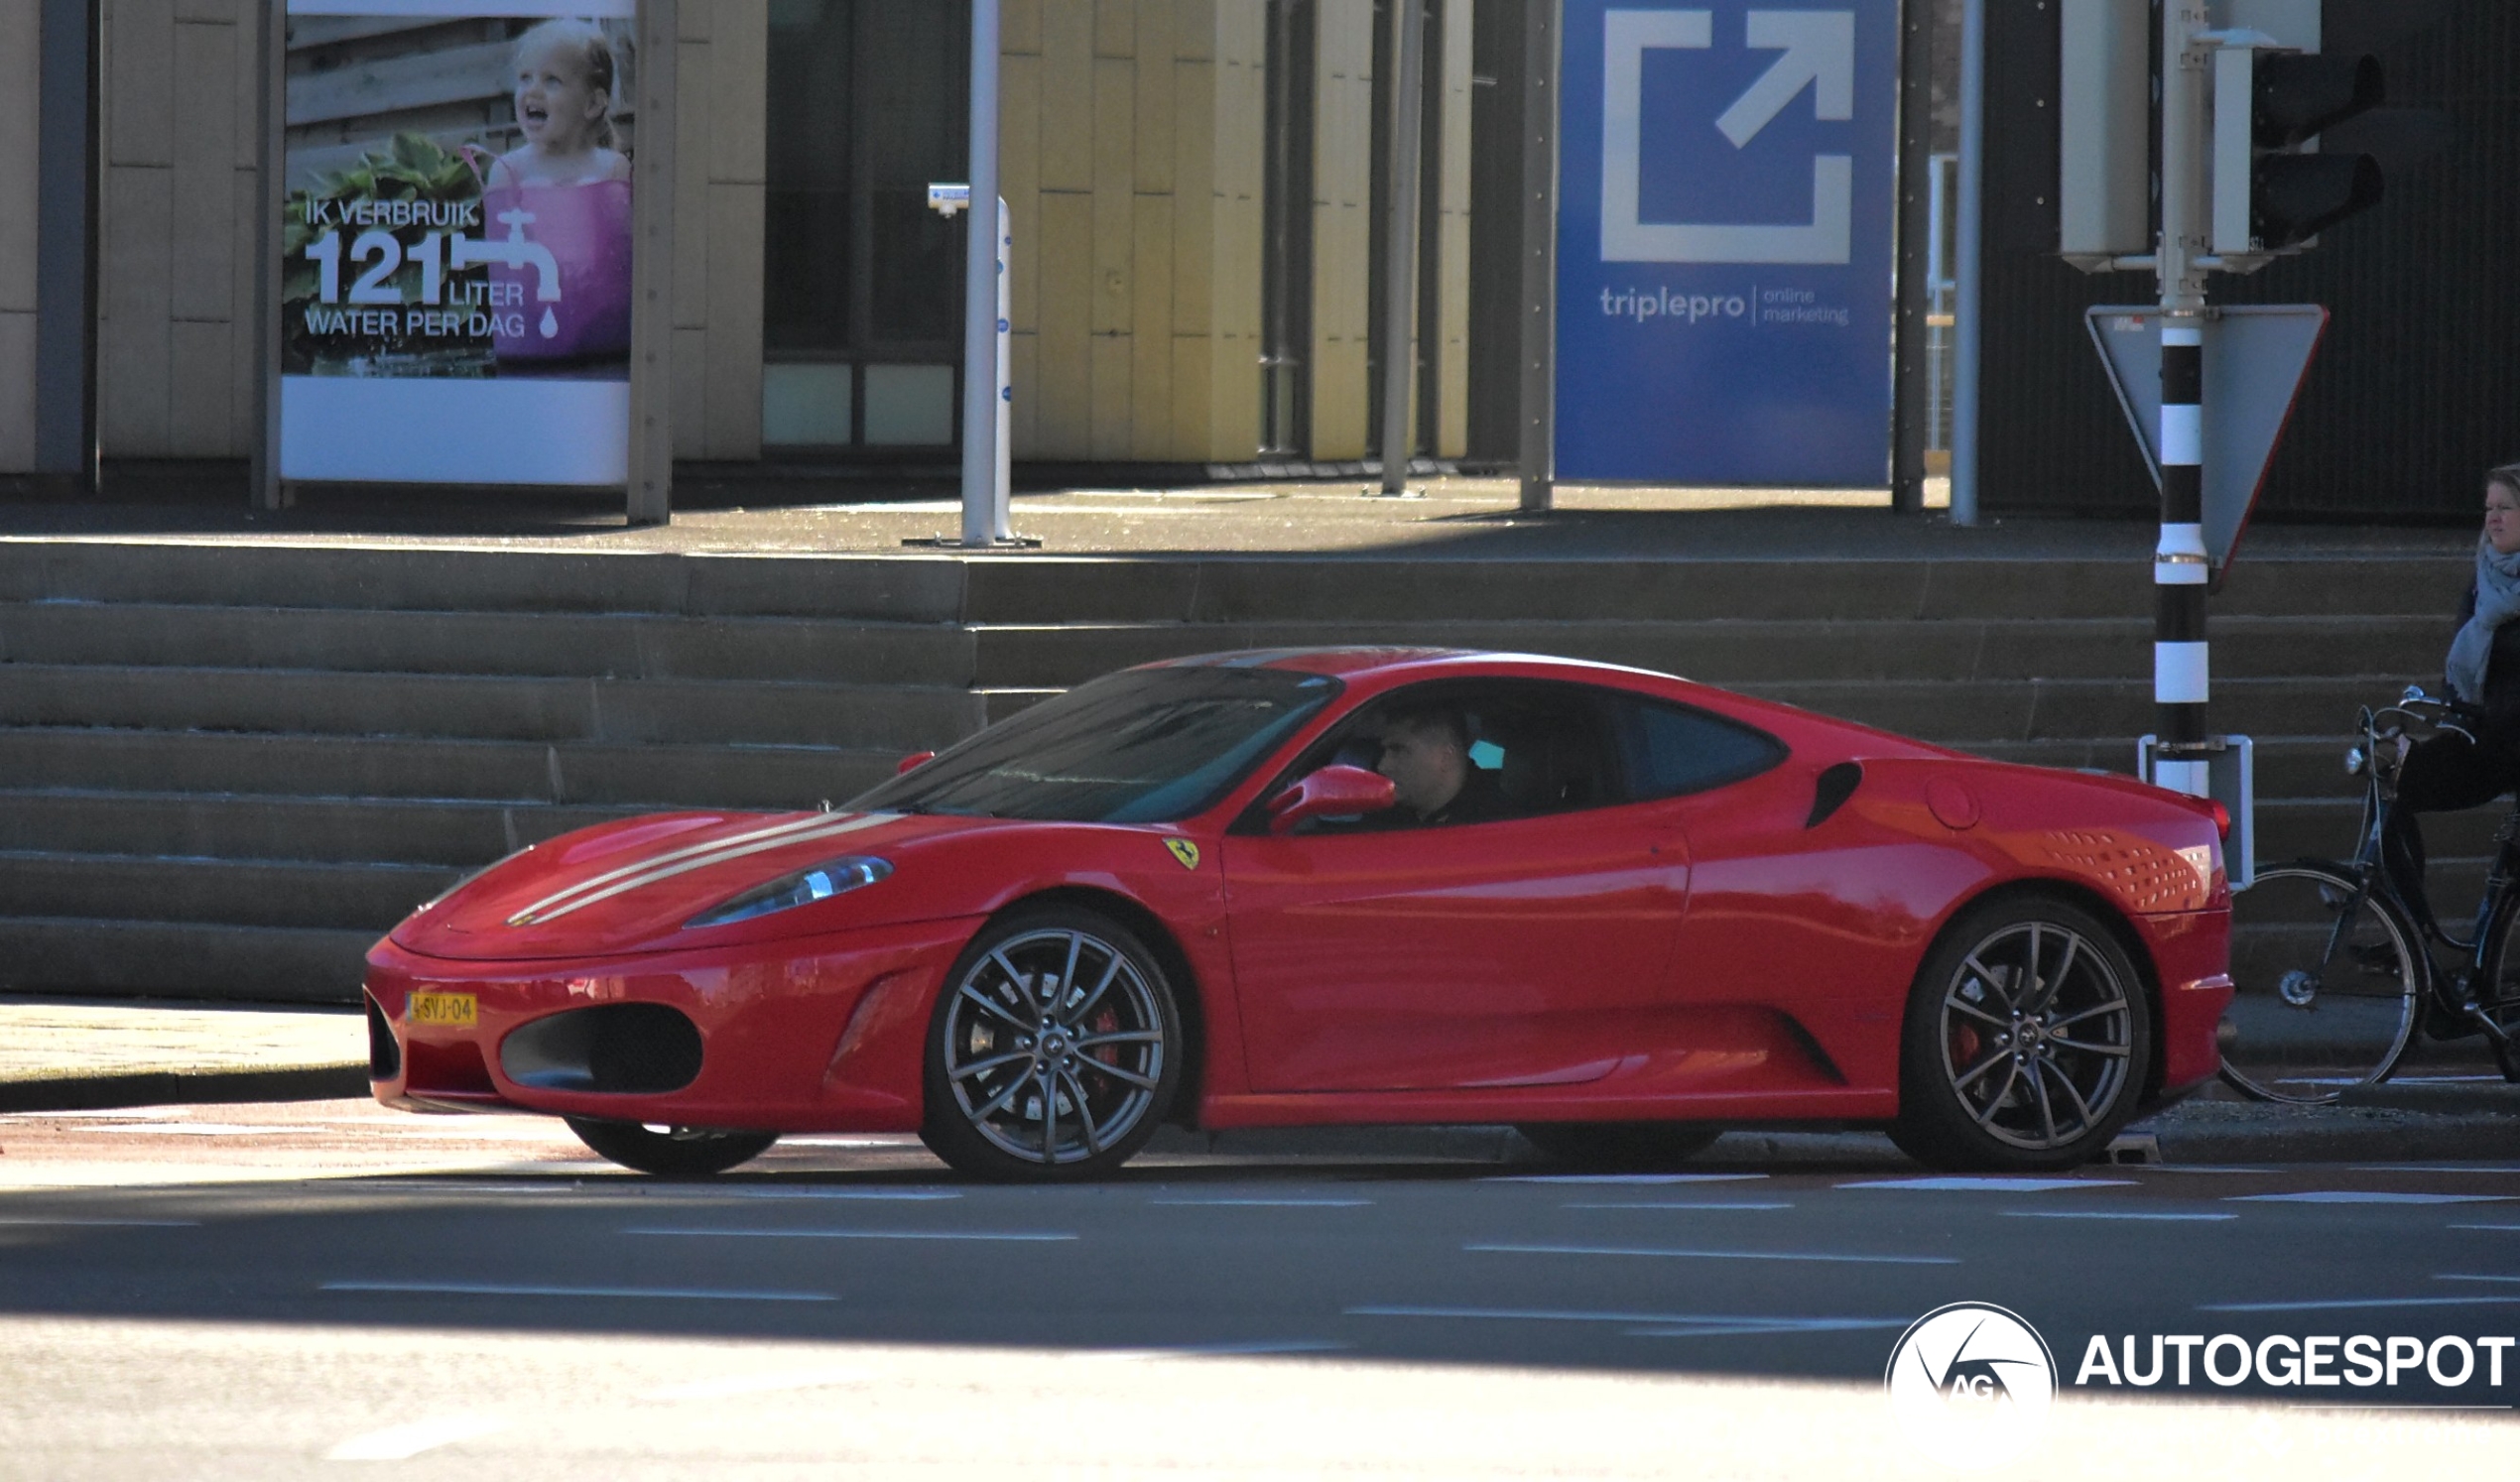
point(1972, 1385)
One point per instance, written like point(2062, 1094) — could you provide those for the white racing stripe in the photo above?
point(402, 1443)
point(1640, 1249)
point(696, 857)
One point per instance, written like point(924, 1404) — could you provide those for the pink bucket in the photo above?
point(585, 230)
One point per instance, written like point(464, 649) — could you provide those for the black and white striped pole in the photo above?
point(2181, 674)
point(2182, 751)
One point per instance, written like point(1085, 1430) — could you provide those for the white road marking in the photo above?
point(2202, 1168)
point(1266, 1203)
point(897, 1195)
point(210, 1129)
point(2366, 1197)
point(2477, 1277)
point(151, 1224)
point(1218, 1350)
point(1646, 1324)
point(1989, 1184)
point(2485, 1227)
point(2439, 1167)
point(1019, 1235)
point(1684, 1204)
point(760, 1384)
point(905, 1141)
point(2107, 1214)
point(1630, 1249)
point(1619, 1177)
point(402, 1443)
point(2334, 1306)
point(501, 1289)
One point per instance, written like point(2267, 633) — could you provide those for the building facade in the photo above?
point(1195, 186)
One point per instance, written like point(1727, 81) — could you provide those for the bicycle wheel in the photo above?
point(2326, 1001)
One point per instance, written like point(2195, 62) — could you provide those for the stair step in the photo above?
point(207, 826)
point(188, 959)
point(363, 897)
point(583, 644)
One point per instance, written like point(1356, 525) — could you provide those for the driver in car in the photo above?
point(1427, 755)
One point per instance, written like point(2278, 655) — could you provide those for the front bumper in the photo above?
point(815, 1033)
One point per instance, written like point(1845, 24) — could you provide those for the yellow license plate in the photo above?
point(446, 1010)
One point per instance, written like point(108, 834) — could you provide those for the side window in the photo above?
point(1517, 748)
point(1672, 750)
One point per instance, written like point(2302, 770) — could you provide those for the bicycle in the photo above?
point(2332, 970)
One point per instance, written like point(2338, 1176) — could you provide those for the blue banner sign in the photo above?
point(1725, 213)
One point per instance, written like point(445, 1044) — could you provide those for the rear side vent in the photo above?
point(627, 1048)
point(1837, 785)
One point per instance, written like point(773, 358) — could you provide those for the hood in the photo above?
point(629, 887)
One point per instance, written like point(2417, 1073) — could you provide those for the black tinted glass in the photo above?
point(1148, 746)
point(1673, 749)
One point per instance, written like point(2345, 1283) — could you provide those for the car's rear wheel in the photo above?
point(671, 1152)
point(2026, 1042)
point(1619, 1145)
point(1055, 1048)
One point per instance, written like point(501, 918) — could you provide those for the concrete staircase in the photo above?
point(224, 770)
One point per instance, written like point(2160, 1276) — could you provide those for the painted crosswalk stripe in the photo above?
point(1698, 1255)
point(2110, 1214)
point(1644, 1324)
point(1686, 1204)
point(2366, 1197)
point(1265, 1203)
point(38, 1221)
point(2352, 1303)
point(505, 1288)
point(1015, 1235)
point(1619, 1177)
point(1989, 1184)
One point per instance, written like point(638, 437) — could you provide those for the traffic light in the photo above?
point(2273, 190)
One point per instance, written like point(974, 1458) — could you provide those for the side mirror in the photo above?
point(915, 759)
point(1331, 791)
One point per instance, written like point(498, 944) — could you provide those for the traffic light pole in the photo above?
point(2181, 683)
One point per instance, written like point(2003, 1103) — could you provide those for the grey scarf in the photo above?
point(2498, 602)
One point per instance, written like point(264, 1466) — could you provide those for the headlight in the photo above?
point(802, 887)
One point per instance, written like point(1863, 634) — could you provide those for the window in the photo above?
point(1531, 747)
point(869, 101)
point(1672, 749)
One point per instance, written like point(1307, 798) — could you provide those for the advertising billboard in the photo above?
point(455, 239)
point(1727, 205)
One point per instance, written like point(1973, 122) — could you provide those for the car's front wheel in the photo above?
point(1054, 1050)
point(2026, 1042)
point(671, 1152)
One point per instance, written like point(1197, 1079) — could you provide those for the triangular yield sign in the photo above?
point(2254, 358)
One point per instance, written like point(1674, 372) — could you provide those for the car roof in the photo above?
point(1362, 660)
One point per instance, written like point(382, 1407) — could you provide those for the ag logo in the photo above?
point(1185, 851)
point(1972, 1385)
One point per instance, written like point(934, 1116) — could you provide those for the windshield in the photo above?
point(1145, 746)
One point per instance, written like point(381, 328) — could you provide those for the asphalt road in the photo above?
point(289, 1290)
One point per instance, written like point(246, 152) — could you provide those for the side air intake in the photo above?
point(1837, 785)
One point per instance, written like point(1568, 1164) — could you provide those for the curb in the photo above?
point(184, 1087)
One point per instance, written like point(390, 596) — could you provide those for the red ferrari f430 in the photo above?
point(1617, 909)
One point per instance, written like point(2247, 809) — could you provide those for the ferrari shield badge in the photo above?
point(1185, 851)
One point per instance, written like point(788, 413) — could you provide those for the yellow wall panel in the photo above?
point(1065, 369)
point(1066, 106)
point(1114, 227)
point(1109, 442)
point(1150, 322)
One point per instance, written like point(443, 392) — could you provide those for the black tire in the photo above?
point(677, 1152)
point(1620, 1145)
point(2322, 1004)
point(1055, 1050)
point(2036, 998)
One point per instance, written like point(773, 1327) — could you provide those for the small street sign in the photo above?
point(2254, 358)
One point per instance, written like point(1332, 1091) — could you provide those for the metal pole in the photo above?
point(1539, 439)
point(1970, 268)
point(981, 273)
point(1400, 262)
point(1912, 395)
point(2180, 672)
point(268, 494)
point(1003, 485)
point(65, 246)
point(650, 464)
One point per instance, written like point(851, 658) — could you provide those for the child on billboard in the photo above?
point(560, 203)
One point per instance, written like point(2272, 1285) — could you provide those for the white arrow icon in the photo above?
point(1820, 53)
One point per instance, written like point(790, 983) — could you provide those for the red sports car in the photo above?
point(1615, 909)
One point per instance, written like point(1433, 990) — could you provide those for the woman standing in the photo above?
point(2448, 772)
